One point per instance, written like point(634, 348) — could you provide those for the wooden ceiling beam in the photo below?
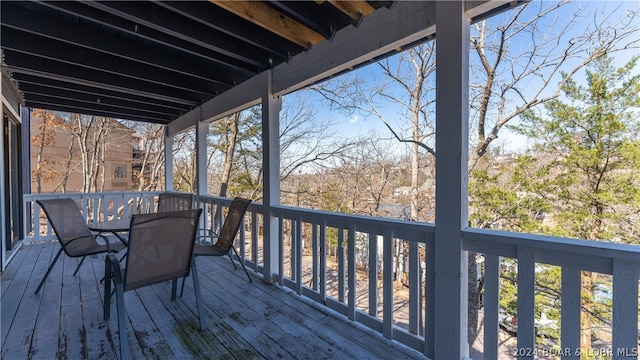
point(273, 20)
point(353, 9)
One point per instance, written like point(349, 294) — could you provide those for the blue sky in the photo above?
point(589, 12)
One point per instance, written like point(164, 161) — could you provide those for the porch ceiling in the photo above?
point(154, 61)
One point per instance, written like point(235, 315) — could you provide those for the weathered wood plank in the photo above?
point(99, 342)
point(72, 336)
point(143, 327)
point(245, 320)
point(333, 330)
point(9, 273)
point(44, 344)
point(205, 345)
point(236, 319)
point(293, 318)
point(175, 338)
point(20, 306)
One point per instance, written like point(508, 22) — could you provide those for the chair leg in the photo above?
point(196, 288)
point(78, 267)
point(48, 271)
point(112, 271)
point(230, 258)
point(122, 325)
point(183, 280)
point(242, 263)
point(106, 304)
point(174, 288)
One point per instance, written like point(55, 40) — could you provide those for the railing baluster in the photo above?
point(387, 283)
point(280, 251)
point(526, 302)
point(298, 256)
point(415, 285)
point(322, 273)
point(36, 222)
point(351, 272)
point(340, 254)
point(254, 239)
point(293, 245)
point(625, 309)
point(373, 274)
point(491, 291)
point(314, 253)
point(430, 295)
point(570, 312)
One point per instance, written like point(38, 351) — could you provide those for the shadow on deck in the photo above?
point(245, 320)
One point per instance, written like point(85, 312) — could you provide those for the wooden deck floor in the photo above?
point(245, 320)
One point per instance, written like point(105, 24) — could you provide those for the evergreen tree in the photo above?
point(591, 181)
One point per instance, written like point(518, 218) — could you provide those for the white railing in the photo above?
point(354, 282)
point(326, 257)
point(94, 207)
point(572, 256)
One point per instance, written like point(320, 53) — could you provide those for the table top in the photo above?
point(111, 225)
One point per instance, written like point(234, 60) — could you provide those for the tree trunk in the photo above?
point(39, 159)
point(587, 310)
point(233, 123)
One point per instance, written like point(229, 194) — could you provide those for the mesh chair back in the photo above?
point(160, 247)
point(67, 222)
point(174, 202)
point(232, 223)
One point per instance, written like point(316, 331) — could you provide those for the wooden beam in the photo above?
point(247, 94)
point(354, 9)
point(376, 35)
point(273, 20)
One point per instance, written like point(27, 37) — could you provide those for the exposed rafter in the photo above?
point(165, 61)
point(354, 9)
point(273, 20)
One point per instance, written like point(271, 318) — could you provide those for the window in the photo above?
point(120, 172)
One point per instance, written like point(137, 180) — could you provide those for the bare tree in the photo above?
point(519, 61)
point(522, 61)
point(510, 77)
point(148, 155)
point(408, 83)
point(52, 126)
point(184, 162)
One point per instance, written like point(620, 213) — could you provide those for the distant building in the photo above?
point(55, 161)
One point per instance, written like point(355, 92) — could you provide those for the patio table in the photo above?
point(115, 226)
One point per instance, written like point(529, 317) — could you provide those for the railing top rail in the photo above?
point(80, 195)
point(482, 239)
point(289, 211)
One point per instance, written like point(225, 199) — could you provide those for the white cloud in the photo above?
point(354, 119)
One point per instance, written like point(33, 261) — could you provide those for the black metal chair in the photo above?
point(223, 244)
point(160, 249)
point(73, 233)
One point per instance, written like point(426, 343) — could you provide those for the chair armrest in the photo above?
point(221, 240)
point(106, 240)
point(212, 236)
point(211, 232)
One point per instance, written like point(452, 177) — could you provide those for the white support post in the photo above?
point(271, 106)
point(452, 144)
point(168, 162)
point(202, 129)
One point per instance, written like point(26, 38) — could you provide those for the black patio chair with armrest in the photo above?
point(169, 201)
point(73, 233)
point(160, 249)
point(222, 244)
